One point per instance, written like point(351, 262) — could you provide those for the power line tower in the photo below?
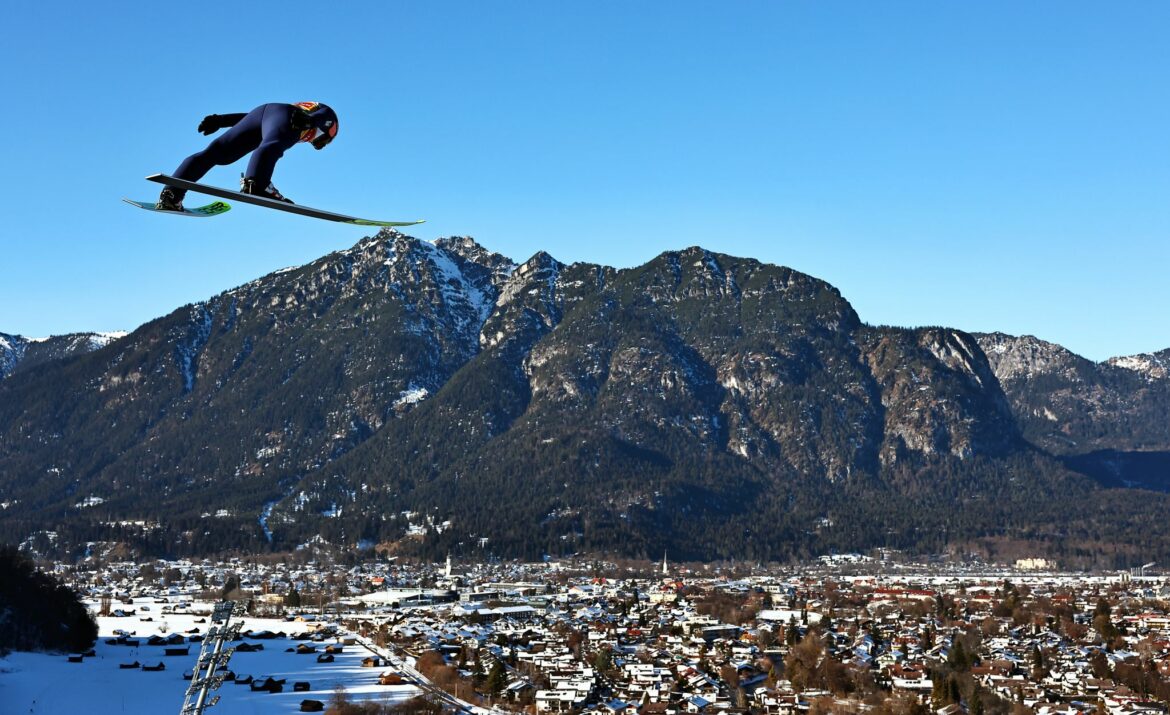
point(212, 657)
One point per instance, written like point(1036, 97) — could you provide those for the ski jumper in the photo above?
point(267, 131)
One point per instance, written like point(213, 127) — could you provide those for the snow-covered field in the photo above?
point(48, 684)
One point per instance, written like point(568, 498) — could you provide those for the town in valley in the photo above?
point(847, 633)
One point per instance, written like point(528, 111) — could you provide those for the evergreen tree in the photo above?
point(603, 661)
point(975, 706)
point(477, 674)
point(37, 612)
point(957, 656)
point(497, 679)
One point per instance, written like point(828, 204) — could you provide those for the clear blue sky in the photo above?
point(992, 165)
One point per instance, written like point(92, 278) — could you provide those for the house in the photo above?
point(515, 689)
point(720, 631)
point(390, 678)
point(617, 707)
point(909, 677)
point(773, 702)
point(559, 700)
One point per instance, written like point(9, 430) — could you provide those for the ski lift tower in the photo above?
point(212, 657)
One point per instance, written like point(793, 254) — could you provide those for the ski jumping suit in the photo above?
point(267, 131)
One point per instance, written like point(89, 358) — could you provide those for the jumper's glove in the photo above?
point(210, 124)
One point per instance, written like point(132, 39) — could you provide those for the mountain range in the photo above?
point(424, 398)
point(20, 353)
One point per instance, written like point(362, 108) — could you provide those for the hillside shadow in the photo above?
point(1121, 470)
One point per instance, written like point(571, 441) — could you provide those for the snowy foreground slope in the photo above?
point(38, 683)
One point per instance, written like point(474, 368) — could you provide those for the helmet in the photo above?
point(321, 125)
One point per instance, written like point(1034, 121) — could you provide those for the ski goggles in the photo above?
point(324, 136)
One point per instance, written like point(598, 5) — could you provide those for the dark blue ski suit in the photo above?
point(267, 131)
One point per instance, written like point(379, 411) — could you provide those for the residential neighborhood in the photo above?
point(846, 635)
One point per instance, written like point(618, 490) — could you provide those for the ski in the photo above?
point(271, 203)
point(214, 208)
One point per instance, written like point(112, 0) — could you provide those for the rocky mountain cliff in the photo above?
point(1110, 420)
point(1070, 405)
point(434, 397)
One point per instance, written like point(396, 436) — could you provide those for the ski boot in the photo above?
point(249, 186)
point(171, 199)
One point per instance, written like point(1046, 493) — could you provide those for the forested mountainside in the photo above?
point(433, 397)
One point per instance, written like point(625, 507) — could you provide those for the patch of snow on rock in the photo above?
point(411, 396)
